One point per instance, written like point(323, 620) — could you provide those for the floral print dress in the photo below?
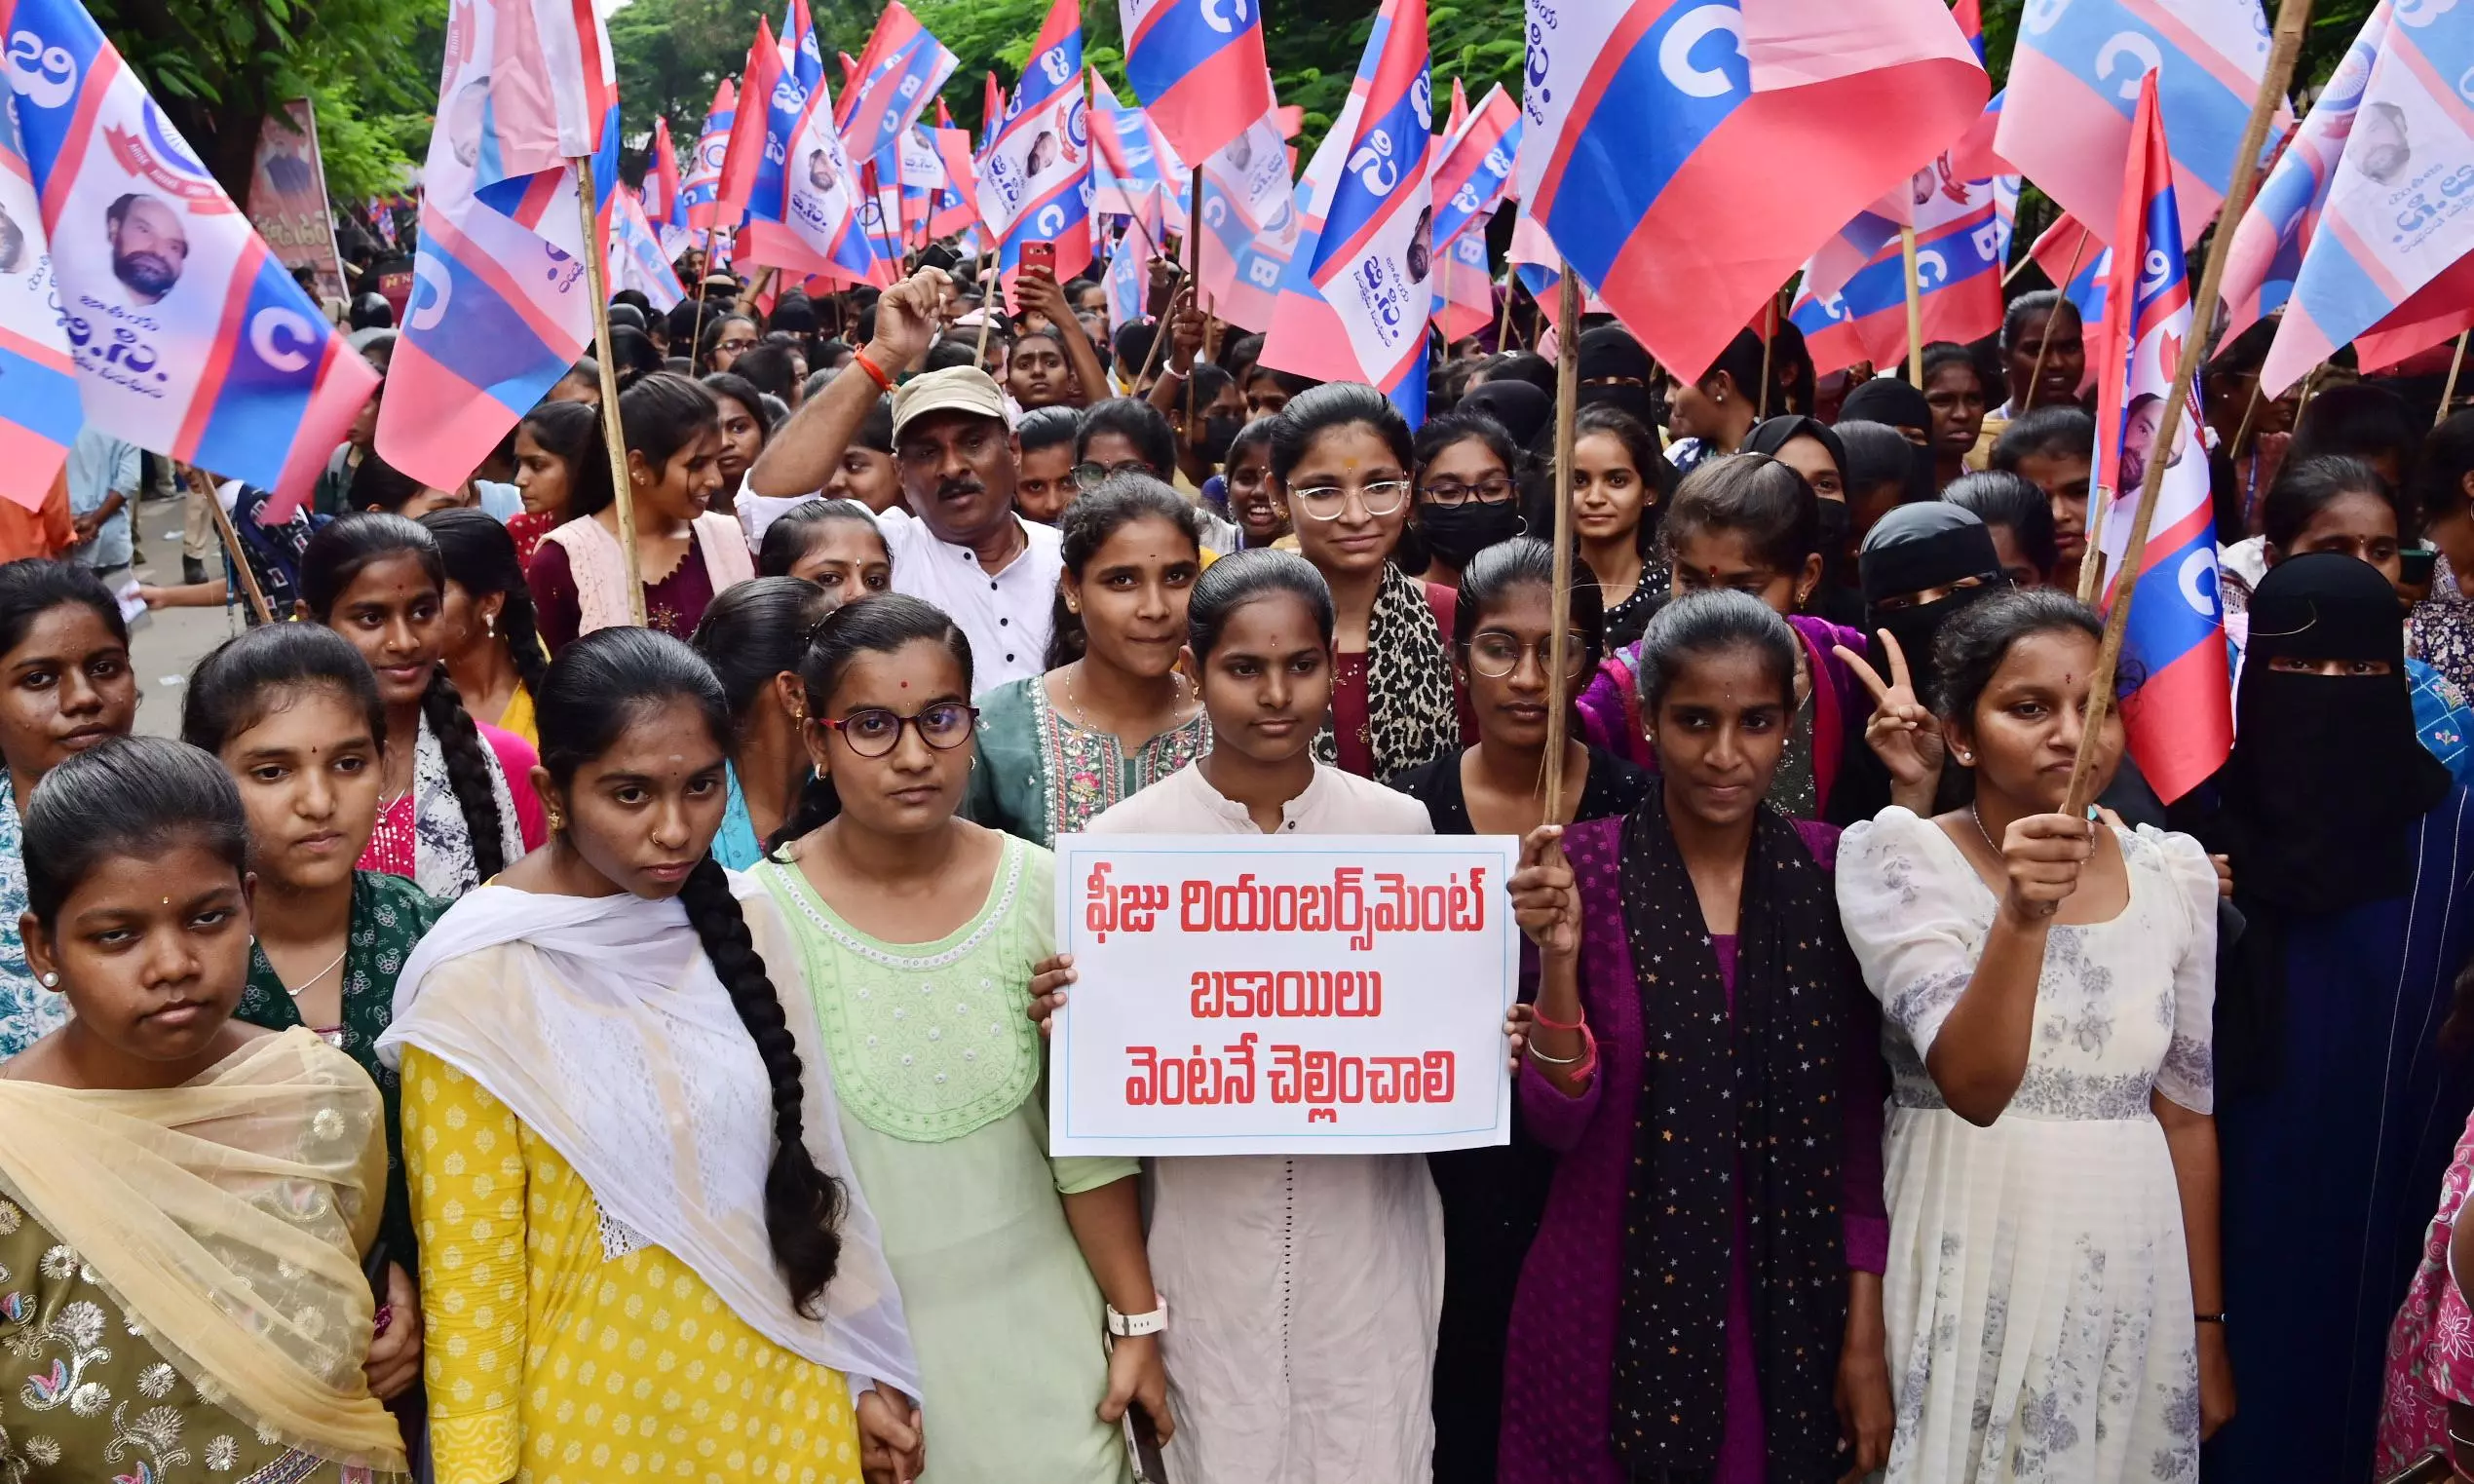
point(1040, 776)
point(28, 1011)
point(2431, 1345)
point(2038, 1292)
point(86, 1398)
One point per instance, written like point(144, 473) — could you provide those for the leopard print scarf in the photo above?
point(1412, 710)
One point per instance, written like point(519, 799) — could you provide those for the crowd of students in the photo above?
point(499, 1041)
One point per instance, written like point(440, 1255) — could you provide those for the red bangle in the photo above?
point(1539, 1015)
point(883, 382)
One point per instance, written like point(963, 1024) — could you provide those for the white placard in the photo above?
point(1332, 994)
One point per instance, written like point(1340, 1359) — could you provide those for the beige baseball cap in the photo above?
point(955, 389)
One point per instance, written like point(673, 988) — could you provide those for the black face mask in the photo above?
point(1456, 533)
point(1837, 526)
point(1218, 433)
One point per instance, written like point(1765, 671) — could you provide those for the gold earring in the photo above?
point(557, 821)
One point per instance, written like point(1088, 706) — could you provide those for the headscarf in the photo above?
point(2317, 802)
point(1774, 433)
point(228, 1215)
point(599, 1022)
point(1523, 409)
point(1888, 400)
point(2326, 770)
point(1916, 547)
point(1611, 351)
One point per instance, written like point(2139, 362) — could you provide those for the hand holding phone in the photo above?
point(1040, 257)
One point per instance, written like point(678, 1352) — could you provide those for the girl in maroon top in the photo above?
point(1701, 1029)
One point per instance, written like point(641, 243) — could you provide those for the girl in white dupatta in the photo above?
point(631, 1258)
point(185, 1197)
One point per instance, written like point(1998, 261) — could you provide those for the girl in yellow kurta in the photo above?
point(635, 1261)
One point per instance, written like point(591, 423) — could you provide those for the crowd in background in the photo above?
point(504, 1040)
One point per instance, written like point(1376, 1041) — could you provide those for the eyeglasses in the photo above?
point(734, 347)
point(1090, 476)
point(1495, 655)
point(1450, 494)
point(1329, 501)
point(874, 731)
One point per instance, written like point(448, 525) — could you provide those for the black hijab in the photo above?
point(1834, 601)
point(2326, 770)
point(1524, 410)
point(1610, 351)
point(1920, 546)
point(2317, 804)
point(1888, 400)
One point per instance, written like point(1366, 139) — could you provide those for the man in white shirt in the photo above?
point(960, 546)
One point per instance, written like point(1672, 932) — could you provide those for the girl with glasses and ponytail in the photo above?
point(641, 1244)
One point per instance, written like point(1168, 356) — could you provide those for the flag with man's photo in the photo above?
point(188, 335)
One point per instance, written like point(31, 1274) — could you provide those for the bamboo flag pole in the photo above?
point(2291, 17)
point(622, 495)
point(1769, 337)
point(204, 484)
point(1559, 611)
point(1194, 277)
point(2061, 296)
point(698, 333)
point(1914, 309)
point(988, 288)
point(2447, 392)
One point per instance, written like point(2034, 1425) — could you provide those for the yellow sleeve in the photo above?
point(464, 1159)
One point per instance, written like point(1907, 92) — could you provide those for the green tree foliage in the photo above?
point(218, 67)
point(672, 54)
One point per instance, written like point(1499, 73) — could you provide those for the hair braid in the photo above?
point(468, 769)
point(521, 627)
point(803, 1204)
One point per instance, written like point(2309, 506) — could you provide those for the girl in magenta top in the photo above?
point(455, 798)
point(1703, 1296)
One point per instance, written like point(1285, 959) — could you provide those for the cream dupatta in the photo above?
point(228, 1215)
point(598, 1021)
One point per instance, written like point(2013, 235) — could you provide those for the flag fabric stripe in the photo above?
point(1198, 68)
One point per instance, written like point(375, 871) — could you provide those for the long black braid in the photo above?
point(878, 625)
point(596, 688)
point(480, 558)
point(468, 769)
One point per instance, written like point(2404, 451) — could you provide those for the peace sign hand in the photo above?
point(1901, 733)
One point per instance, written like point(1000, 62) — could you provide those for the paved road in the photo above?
point(170, 642)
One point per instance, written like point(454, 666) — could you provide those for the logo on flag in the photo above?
point(2180, 722)
point(1250, 214)
point(187, 334)
point(1035, 183)
point(1644, 123)
point(701, 191)
point(1198, 68)
point(901, 69)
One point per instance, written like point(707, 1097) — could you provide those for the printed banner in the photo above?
point(1335, 995)
point(287, 197)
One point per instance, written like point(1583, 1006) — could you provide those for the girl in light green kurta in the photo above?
point(919, 935)
point(1113, 714)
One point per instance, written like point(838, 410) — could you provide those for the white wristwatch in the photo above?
point(1128, 1325)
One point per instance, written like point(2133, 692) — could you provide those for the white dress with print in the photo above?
point(2038, 1292)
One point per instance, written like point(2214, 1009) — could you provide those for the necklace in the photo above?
point(1976, 815)
point(1083, 718)
point(303, 987)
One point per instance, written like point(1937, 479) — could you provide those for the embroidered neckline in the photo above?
point(957, 944)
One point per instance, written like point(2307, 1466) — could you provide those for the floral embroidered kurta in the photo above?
point(1040, 776)
point(388, 915)
point(86, 1398)
point(2431, 1345)
point(28, 1010)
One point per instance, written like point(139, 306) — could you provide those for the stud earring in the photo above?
point(557, 821)
point(491, 624)
point(50, 981)
point(1967, 759)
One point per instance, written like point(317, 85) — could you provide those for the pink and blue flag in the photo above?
point(700, 192)
point(1035, 181)
point(1198, 68)
point(1366, 251)
point(1134, 160)
point(661, 177)
point(2075, 258)
point(807, 209)
point(1646, 123)
point(39, 409)
point(2181, 721)
point(635, 258)
point(500, 305)
point(187, 333)
point(2075, 82)
point(1128, 277)
point(1250, 214)
point(1471, 178)
point(2385, 238)
point(901, 69)
point(797, 75)
point(956, 209)
point(1960, 248)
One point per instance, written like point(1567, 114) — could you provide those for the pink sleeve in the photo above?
point(516, 759)
point(1548, 1115)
